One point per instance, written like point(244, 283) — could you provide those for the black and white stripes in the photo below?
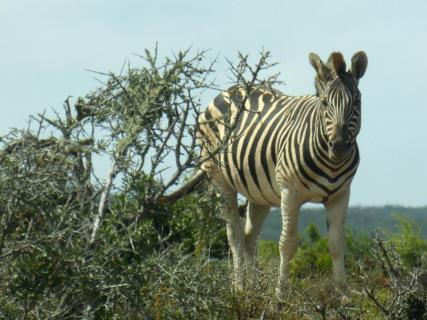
point(279, 150)
point(282, 138)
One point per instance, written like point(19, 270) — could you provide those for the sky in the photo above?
point(47, 48)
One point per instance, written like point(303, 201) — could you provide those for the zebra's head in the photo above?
point(339, 99)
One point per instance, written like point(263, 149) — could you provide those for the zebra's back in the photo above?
point(243, 132)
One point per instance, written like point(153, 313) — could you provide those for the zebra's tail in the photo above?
point(185, 189)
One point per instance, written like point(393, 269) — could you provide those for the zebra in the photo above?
point(284, 151)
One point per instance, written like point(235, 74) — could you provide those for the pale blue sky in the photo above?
point(46, 46)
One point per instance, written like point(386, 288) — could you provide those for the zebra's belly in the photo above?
point(304, 193)
point(272, 200)
point(261, 189)
point(267, 190)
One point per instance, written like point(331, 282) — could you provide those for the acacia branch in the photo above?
point(102, 202)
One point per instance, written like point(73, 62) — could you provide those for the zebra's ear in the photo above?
point(359, 63)
point(322, 70)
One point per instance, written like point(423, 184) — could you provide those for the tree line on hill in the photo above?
point(360, 219)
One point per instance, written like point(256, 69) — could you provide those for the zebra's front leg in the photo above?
point(336, 210)
point(288, 242)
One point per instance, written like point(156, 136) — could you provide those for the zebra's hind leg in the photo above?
point(288, 242)
point(255, 216)
point(235, 235)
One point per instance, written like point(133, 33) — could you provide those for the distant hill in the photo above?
point(359, 219)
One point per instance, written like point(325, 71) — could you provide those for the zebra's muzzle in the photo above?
point(339, 149)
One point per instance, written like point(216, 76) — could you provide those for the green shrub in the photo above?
point(358, 254)
point(312, 255)
point(196, 224)
point(268, 250)
point(408, 241)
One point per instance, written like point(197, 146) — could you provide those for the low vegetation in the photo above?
point(76, 246)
